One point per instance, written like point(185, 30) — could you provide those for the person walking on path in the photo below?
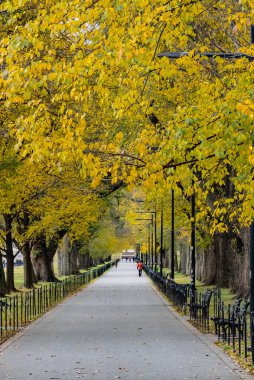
point(139, 268)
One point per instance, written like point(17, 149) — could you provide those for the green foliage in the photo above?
point(84, 97)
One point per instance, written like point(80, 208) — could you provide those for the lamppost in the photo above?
point(234, 55)
point(193, 245)
point(154, 238)
point(148, 246)
point(138, 250)
point(161, 244)
point(150, 238)
point(172, 274)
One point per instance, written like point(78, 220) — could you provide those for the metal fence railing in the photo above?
point(19, 309)
point(231, 323)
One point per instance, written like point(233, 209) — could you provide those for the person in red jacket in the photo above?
point(139, 268)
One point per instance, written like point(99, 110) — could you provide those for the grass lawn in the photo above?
point(19, 274)
point(227, 296)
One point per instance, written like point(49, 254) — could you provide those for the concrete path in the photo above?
point(116, 328)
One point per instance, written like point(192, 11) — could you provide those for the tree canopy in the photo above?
point(82, 83)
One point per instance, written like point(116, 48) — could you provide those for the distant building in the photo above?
point(18, 261)
point(129, 254)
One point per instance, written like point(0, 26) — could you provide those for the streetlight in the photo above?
point(148, 253)
point(193, 244)
point(150, 238)
point(161, 244)
point(154, 241)
point(172, 274)
point(138, 250)
point(234, 55)
point(141, 255)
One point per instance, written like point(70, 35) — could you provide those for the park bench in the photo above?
point(199, 307)
point(221, 322)
point(230, 321)
point(177, 293)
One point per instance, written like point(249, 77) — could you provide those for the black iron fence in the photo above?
point(16, 311)
point(231, 323)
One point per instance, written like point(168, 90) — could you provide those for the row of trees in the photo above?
point(44, 213)
point(87, 107)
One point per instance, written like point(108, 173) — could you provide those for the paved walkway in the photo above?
point(116, 328)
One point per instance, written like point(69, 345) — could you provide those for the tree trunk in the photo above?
point(42, 261)
point(83, 261)
point(67, 257)
point(10, 273)
point(25, 249)
point(209, 268)
point(62, 256)
point(239, 281)
point(226, 262)
point(165, 259)
point(184, 257)
point(198, 263)
point(43, 267)
point(188, 260)
point(3, 285)
point(94, 261)
point(228, 258)
point(29, 276)
point(222, 253)
point(73, 256)
point(9, 253)
point(176, 261)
